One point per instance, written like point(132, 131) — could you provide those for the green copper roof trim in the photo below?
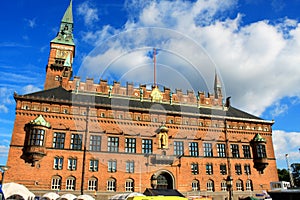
point(258, 138)
point(65, 34)
point(68, 16)
point(40, 121)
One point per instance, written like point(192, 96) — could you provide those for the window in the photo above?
point(95, 143)
point(113, 144)
point(58, 163)
point(111, 185)
point(235, 150)
point(247, 169)
point(223, 169)
point(238, 169)
point(130, 145)
point(209, 168)
point(58, 140)
point(94, 165)
point(146, 146)
point(112, 166)
point(210, 186)
point(72, 164)
point(261, 151)
point(76, 141)
point(221, 150)
point(178, 148)
point(56, 183)
point(208, 152)
point(223, 186)
point(36, 137)
point(193, 149)
point(129, 185)
point(195, 185)
point(92, 184)
point(239, 185)
point(130, 166)
point(70, 183)
point(248, 185)
point(194, 168)
point(246, 151)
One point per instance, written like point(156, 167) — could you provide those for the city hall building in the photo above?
point(85, 138)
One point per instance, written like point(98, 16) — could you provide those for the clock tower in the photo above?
point(62, 51)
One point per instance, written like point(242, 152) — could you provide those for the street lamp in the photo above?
point(3, 169)
point(229, 182)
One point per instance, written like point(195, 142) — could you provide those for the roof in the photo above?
point(62, 95)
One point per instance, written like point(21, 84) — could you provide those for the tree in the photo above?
point(283, 175)
point(296, 173)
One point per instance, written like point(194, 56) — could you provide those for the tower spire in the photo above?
point(65, 34)
point(217, 86)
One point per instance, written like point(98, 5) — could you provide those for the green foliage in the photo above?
point(283, 175)
point(296, 173)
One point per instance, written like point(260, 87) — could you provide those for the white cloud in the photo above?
point(31, 22)
point(286, 143)
point(30, 89)
point(257, 62)
point(3, 109)
point(89, 13)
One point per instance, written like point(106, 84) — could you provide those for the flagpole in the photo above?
point(154, 60)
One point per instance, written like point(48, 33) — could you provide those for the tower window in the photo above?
point(36, 137)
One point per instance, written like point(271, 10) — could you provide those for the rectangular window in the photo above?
point(130, 145)
point(130, 166)
point(95, 143)
point(238, 169)
point(113, 144)
point(208, 151)
point(235, 150)
point(209, 168)
point(194, 168)
point(223, 169)
point(112, 166)
point(246, 151)
point(146, 146)
point(58, 140)
point(221, 150)
point(261, 151)
point(72, 164)
point(76, 141)
point(58, 163)
point(193, 149)
point(178, 148)
point(94, 165)
point(36, 137)
point(247, 169)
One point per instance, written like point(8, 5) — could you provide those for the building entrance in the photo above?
point(165, 181)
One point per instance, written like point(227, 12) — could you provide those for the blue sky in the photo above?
point(253, 44)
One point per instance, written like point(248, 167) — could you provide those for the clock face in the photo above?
point(61, 53)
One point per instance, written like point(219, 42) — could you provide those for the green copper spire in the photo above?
point(65, 34)
point(259, 138)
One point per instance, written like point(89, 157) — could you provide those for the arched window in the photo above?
point(70, 183)
point(129, 185)
point(195, 185)
point(56, 183)
point(223, 185)
point(92, 184)
point(248, 185)
point(239, 185)
point(210, 186)
point(111, 185)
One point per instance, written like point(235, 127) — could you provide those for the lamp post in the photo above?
point(3, 169)
point(229, 182)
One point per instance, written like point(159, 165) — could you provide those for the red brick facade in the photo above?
point(79, 137)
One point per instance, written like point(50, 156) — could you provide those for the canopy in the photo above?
point(10, 189)
point(85, 197)
point(124, 196)
point(67, 197)
point(50, 196)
